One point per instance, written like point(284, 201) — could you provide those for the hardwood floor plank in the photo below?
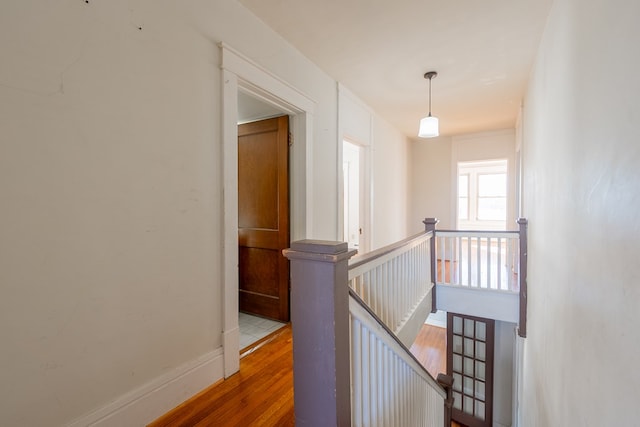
point(261, 394)
point(430, 348)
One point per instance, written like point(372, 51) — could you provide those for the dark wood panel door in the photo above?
point(263, 217)
point(470, 344)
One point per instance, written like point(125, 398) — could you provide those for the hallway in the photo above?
point(261, 394)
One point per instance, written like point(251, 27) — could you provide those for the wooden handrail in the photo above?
point(368, 257)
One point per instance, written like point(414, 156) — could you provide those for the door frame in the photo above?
point(355, 125)
point(239, 73)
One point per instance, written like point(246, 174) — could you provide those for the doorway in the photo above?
point(352, 193)
point(241, 75)
point(263, 217)
point(470, 347)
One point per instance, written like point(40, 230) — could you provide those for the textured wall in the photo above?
point(581, 157)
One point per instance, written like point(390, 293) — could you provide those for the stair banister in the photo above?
point(320, 325)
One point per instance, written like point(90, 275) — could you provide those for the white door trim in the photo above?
point(240, 73)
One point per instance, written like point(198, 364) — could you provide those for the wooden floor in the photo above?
point(430, 348)
point(261, 394)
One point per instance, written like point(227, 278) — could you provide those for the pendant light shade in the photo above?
point(428, 127)
point(429, 124)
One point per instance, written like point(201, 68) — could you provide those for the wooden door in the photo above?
point(470, 342)
point(263, 217)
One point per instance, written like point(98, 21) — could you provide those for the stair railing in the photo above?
point(483, 260)
point(389, 386)
point(349, 366)
point(395, 282)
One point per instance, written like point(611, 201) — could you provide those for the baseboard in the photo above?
point(143, 405)
point(439, 319)
point(408, 331)
point(231, 344)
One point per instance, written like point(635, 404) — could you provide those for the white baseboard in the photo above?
point(231, 344)
point(408, 331)
point(439, 319)
point(143, 405)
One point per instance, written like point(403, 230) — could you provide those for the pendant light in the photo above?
point(429, 124)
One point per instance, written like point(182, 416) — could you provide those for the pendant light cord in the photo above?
point(429, 96)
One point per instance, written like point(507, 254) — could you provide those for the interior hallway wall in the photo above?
point(111, 245)
point(581, 195)
point(388, 176)
point(431, 187)
point(434, 173)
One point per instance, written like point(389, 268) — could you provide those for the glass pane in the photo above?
point(463, 208)
point(481, 331)
point(463, 185)
point(468, 347)
point(479, 393)
point(457, 382)
point(479, 370)
point(457, 344)
point(457, 363)
point(480, 350)
point(468, 386)
point(492, 185)
point(492, 208)
point(457, 325)
point(457, 400)
point(479, 410)
point(468, 366)
point(468, 327)
point(468, 405)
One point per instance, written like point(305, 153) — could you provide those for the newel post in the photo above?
point(523, 224)
point(430, 225)
point(320, 324)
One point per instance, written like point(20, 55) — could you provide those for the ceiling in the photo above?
point(380, 49)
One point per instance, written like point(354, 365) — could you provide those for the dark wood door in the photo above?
point(470, 342)
point(263, 217)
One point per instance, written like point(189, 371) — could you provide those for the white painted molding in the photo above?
point(231, 343)
point(263, 80)
point(490, 304)
point(409, 330)
point(143, 405)
point(240, 73)
point(509, 132)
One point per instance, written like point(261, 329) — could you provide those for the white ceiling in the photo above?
point(380, 49)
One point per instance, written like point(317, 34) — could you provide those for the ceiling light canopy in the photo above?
point(429, 124)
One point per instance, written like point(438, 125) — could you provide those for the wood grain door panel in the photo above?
point(263, 217)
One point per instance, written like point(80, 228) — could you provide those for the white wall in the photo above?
point(111, 190)
point(431, 186)
point(504, 349)
point(389, 168)
point(390, 184)
point(581, 195)
point(500, 144)
point(434, 173)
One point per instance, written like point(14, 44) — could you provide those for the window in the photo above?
point(492, 197)
point(482, 195)
point(463, 196)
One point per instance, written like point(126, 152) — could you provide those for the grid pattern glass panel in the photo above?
point(469, 347)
